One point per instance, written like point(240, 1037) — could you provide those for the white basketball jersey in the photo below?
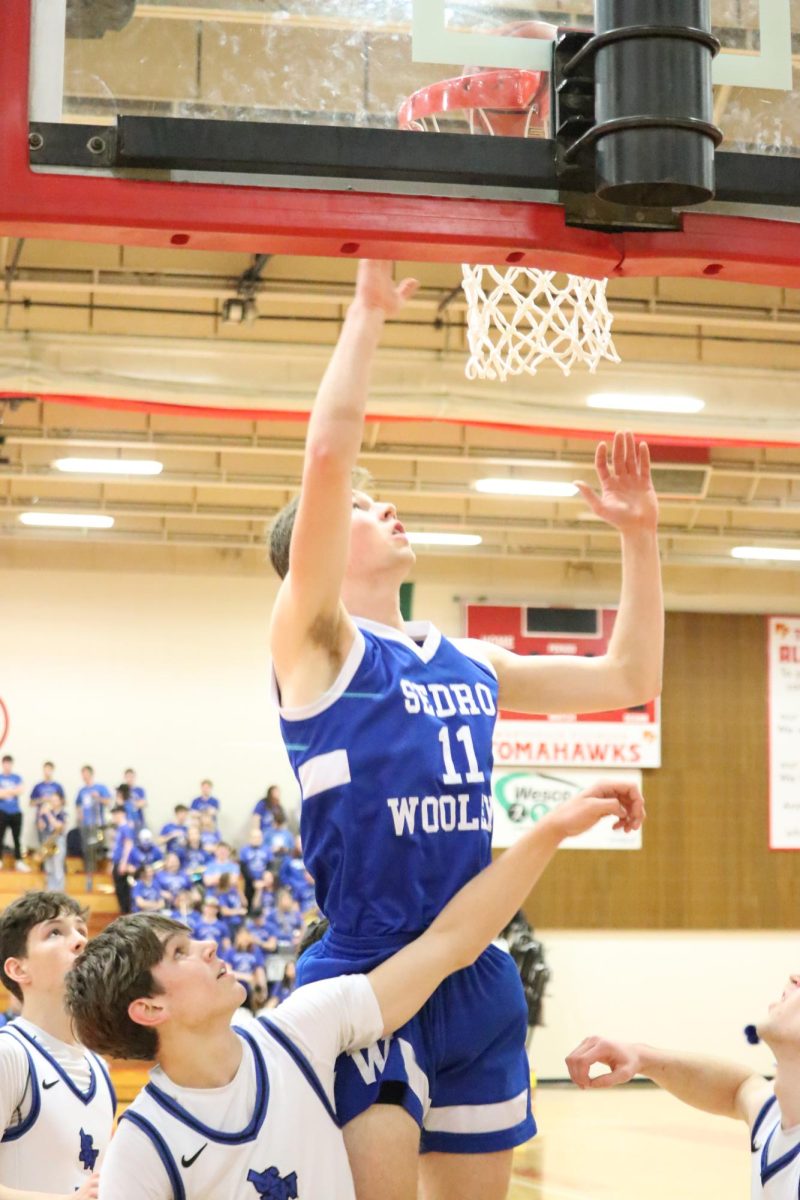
point(776, 1156)
point(64, 1130)
point(291, 1148)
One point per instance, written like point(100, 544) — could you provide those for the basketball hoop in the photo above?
point(523, 317)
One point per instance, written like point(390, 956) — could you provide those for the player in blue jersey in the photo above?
point(389, 730)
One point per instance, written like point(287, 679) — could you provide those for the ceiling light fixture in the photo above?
point(444, 539)
point(765, 554)
point(50, 520)
point(620, 402)
point(525, 487)
point(109, 466)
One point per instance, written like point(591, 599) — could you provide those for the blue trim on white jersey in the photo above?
point(17, 1131)
point(768, 1169)
point(161, 1148)
point(107, 1076)
point(302, 1064)
point(253, 1127)
point(759, 1121)
point(84, 1097)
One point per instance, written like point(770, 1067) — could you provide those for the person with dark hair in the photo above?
point(137, 799)
point(248, 1111)
point(389, 727)
point(57, 1104)
point(206, 801)
point(174, 833)
point(284, 987)
point(266, 808)
point(121, 850)
point(146, 894)
point(11, 788)
point(280, 838)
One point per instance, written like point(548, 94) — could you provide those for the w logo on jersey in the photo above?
point(271, 1185)
point(372, 1061)
point(88, 1155)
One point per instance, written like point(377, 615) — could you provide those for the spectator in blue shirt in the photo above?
point(184, 908)
point(221, 863)
point(280, 838)
point(51, 825)
point(232, 909)
point(266, 892)
point(171, 879)
point(145, 894)
point(206, 800)
point(285, 923)
point(266, 808)
point(195, 857)
point(145, 852)
point(121, 868)
point(90, 815)
point(137, 799)
point(10, 812)
point(210, 836)
point(209, 927)
point(281, 990)
point(174, 834)
point(45, 788)
point(247, 962)
point(293, 874)
point(266, 941)
point(254, 859)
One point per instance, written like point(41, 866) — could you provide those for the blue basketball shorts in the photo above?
point(461, 1062)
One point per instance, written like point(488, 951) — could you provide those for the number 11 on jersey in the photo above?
point(451, 776)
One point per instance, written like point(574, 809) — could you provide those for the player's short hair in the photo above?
point(7, 758)
point(282, 526)
point(17, 921)
point(115, 969)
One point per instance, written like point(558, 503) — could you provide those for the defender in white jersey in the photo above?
point(449, 1090)
point(57, 1104)
point(770, 1110)
point(246, 1112)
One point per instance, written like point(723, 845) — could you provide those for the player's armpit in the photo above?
point(751, 1098)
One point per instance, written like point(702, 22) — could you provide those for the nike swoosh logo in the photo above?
point(47, 1086)
point(187, 1162)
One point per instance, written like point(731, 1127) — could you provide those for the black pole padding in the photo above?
point(654, 127)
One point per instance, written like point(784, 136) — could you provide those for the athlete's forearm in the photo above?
point(636, 648)
point(337, 419)
point(704, 1083)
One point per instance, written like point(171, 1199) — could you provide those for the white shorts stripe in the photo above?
point(417, 1079)
point(478, 1118)
point(323, 772)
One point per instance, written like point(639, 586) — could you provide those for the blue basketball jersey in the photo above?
point(394, 764)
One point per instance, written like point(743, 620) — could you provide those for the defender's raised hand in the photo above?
point(627, 497)
point(376, 288)
point(611, 798)
point(622, 1060)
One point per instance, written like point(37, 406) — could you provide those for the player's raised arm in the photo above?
point(309, 601)
point(484, 906)
point(630, 672)
point(723, 1088)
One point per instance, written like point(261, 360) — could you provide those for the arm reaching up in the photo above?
point(485, 905)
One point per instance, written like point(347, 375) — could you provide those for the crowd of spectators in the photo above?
point(255, 901)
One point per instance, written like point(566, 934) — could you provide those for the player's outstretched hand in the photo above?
point(611, 798)
point(622, 1060)
point(87, 1191)
point(376, 288)
point(627, 497)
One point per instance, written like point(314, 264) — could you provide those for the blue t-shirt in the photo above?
point(90, 802)
point(211, 931)
point(280, 842)
point(265, 814)
point(140, 855)
point(123, 834)
point(283, 926)
point(51, 824)
point(10, 804)
point(214, 870)
point(144, 891)
point(201, 803)
point(48, 787)
point(172, 882)
point(176, 835)
point(209, 838)
point(281, 991)
point(246, 961)
point(254, 860)
point(395, 770)
point(257, 927)
point(195, 860)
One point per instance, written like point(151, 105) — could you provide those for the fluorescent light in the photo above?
point(444, 539)
point(109, 466)
point(524, 487)
point(620, 402)
point(66, 520)
point(765, 554)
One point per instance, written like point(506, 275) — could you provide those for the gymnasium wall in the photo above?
point(169, 673)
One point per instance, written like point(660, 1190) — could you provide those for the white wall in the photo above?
point(164, 673)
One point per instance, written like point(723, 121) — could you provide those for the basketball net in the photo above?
point(522, 317)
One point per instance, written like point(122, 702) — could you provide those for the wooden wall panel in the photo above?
point(706, 862)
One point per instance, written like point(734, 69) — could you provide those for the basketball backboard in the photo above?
point(272, 125)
